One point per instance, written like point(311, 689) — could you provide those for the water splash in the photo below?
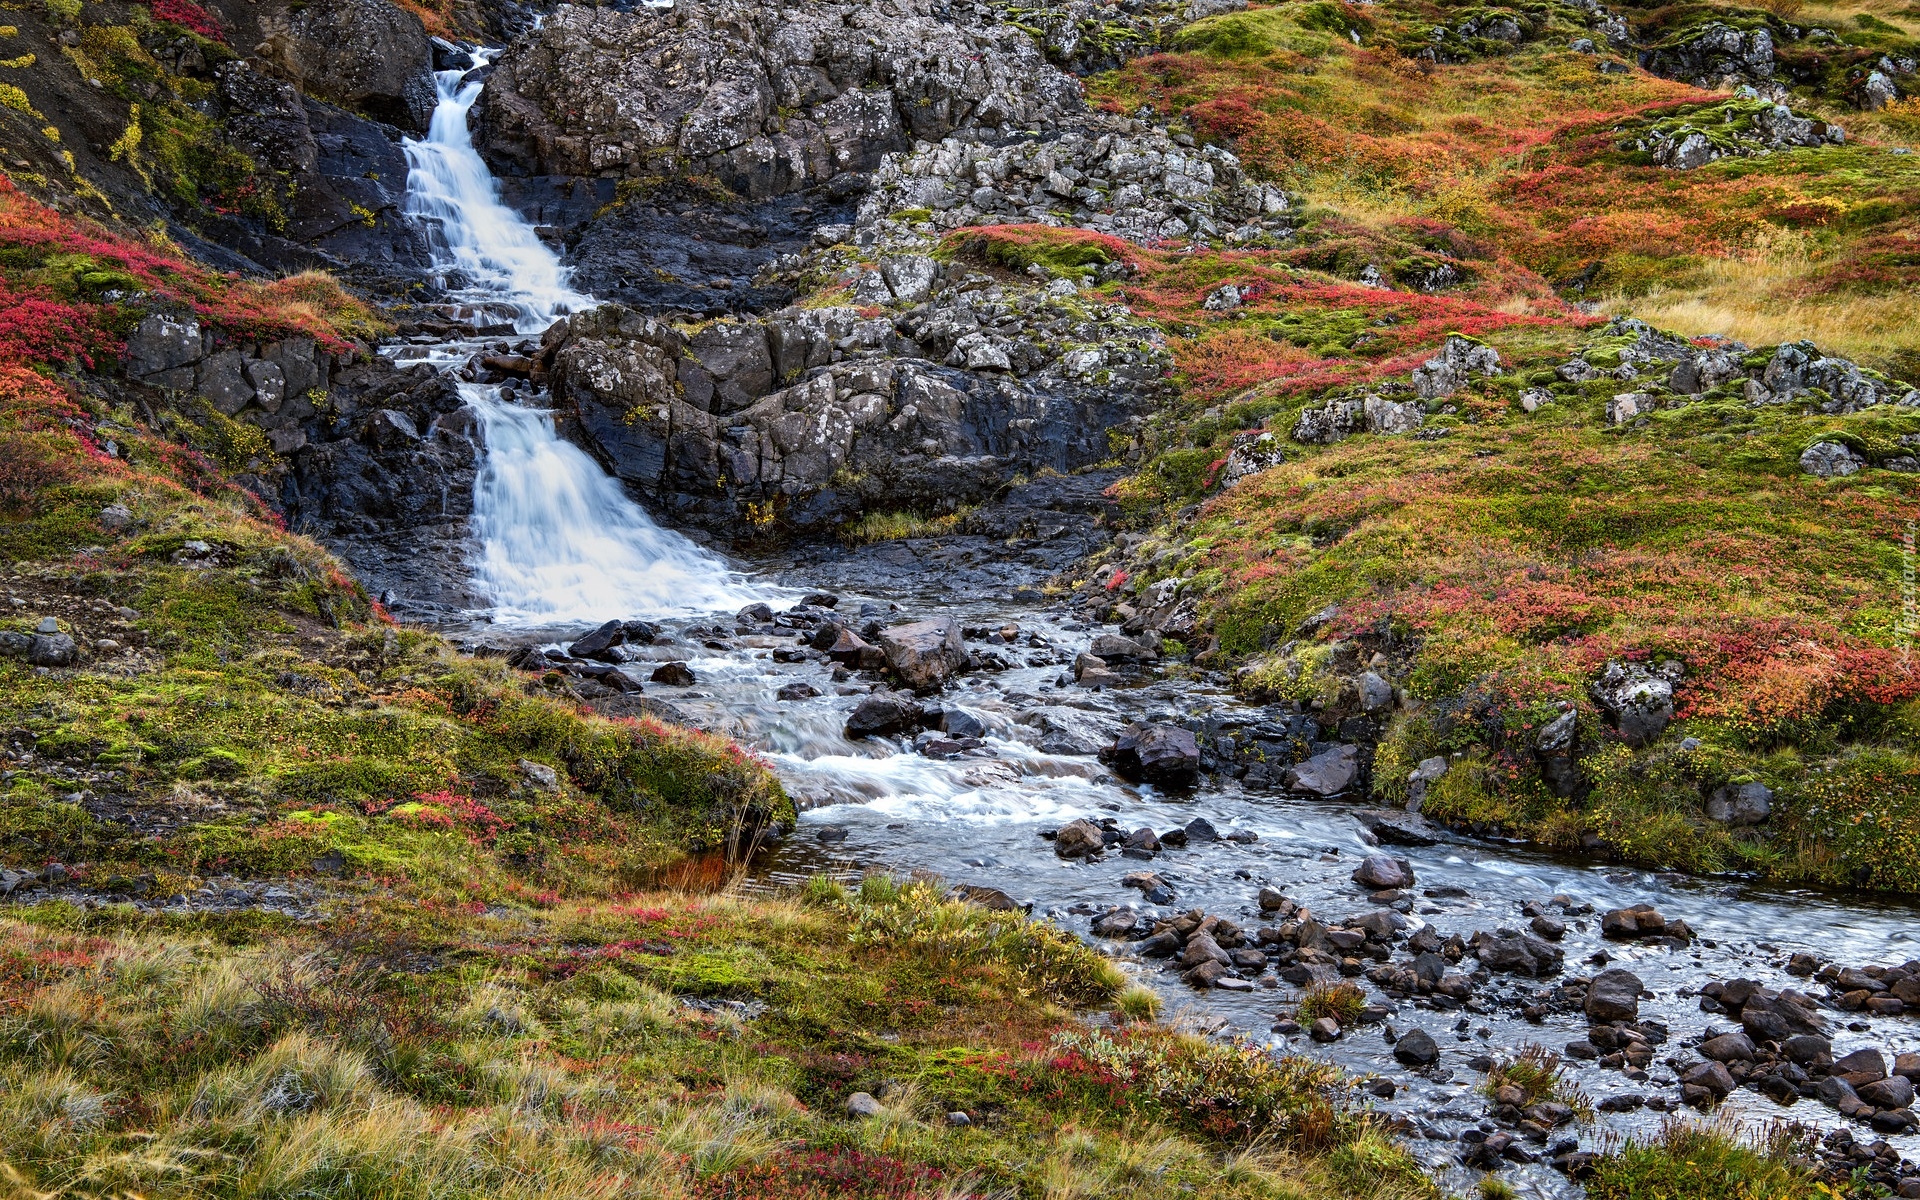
point(560, 541)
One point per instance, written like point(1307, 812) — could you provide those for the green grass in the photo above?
point(1689, 1161)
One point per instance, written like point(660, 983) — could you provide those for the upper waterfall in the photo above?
point(453, 194)
point(560, 540)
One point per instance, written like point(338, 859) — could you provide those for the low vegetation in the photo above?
point(1687, 1160)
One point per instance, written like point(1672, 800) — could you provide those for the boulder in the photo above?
point(1614, 995)
point(673, 674)
point(925, 654)
point(1891, 1092)
point(1460, 360)
point(1327, 773)
point(1711, 1076)
point(1078, 839)
point(1829, 460)
point(1866, 1064)
point(1381, 873)
point(1416, 1048)
point(1554, 750)
point(883, 713)
point(1728, 1047)
point(1740, 804)
point(1163, 755)
point(599, 641)
point(863, 1105)
point(52, 650)
point(1638, 699)
point(1517, 954)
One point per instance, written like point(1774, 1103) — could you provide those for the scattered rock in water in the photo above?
point(925, 654)
point(797, 690)
point(673, 674)
point(883, 713)
point(1416, 1048)
point(1640, 922)
point(599, 641)
point(1078, 839)
point(1379, 871)
point(1516, 953)
point(1163, 755)
point(1614, 995)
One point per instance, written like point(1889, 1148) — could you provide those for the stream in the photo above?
point(561, 548)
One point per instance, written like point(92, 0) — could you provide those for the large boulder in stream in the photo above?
point(925, 654)
point(1163, 755)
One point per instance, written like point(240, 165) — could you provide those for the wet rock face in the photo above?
point(765, 99)
point(367, 55)
point(1165, 755)
point(342, 168)
point(809, 417)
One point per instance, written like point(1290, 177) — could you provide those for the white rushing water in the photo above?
point(560, 541)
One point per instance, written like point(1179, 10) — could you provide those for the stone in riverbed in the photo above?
point(1710, 1076)
point(1891, 1092)
point(599, 641)
point(1164, 755)
point(1380, 872)
point(925, 654)
point(673, 674)
point(1416, 1048)
point(851, 650)
point(1728, 1047)
point(1078, 839)
point(883, 713)
point(1325, 774)
point(798, 690)
point(1614, 995)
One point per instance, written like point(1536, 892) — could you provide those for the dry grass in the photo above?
point(1751, 296)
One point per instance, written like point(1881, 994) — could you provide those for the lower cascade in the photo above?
point(559, 539)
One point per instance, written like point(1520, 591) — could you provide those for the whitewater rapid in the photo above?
point(560, 541)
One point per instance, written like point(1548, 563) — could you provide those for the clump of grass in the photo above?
point(1139, 1003)
point(1688, 1160)
point(1342, 1000)
point(1538, 1073)
point(898, 526)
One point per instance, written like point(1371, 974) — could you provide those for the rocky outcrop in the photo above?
point(346, 208)
point(366, 55)
point(1740, 128)
point(765, 99)
point(809, 417)
point(1102, 173)
point(376, 461)
point(1341, 419)
point(1714, 55)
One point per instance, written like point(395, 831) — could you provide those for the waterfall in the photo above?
point(560, 541)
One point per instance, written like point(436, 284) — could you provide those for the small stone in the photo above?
point(1416, 1048)
point(673, 674)
point(1325, 1029)
point(861, 1104)
point(540, 775)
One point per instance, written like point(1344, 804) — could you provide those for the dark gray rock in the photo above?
point(1614, 995)
point(1638, 698)
point(1163, 755)
point(1416, 1048)
point(1740, 804)
point(1327, 773)
point(883, 713)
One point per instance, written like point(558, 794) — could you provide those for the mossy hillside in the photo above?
point(660, 1045)
point(1513, 157)
point(1501, 565)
